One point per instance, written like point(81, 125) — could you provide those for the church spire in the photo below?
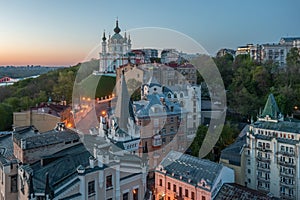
point(117, 29)
point(122, 107)
point(104, 38)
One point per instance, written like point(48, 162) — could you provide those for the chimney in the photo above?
point(92, 161)
point(100, 160)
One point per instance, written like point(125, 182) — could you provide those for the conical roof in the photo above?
point(271, 109)
point(122, 107)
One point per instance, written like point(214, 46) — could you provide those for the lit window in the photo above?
point(135, 194)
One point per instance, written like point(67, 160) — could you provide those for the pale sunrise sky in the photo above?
point(65, 32)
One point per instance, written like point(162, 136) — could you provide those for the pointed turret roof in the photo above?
point(122, 107)
point(271, 109)
point(103, 38)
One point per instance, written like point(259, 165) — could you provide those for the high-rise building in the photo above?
point(272, 153)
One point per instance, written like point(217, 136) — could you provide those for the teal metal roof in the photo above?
point(271, 108)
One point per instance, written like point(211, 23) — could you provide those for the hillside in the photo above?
point(57, 85)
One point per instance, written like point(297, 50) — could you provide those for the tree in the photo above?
point(5, 117)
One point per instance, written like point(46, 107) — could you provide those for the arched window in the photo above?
point(169, 95)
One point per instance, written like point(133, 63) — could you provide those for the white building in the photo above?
point(272, 154)
point(275, 52)
point(115, 51)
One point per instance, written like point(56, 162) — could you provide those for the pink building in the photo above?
point(181, 176)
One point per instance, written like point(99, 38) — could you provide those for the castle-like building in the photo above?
point(115, 51)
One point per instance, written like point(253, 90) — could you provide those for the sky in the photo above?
point(65, 32)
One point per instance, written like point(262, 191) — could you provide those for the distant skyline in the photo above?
point(61, 32)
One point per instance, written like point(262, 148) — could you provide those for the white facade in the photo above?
point(115, 52)
point(272, 155)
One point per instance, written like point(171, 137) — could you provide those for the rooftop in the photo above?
point(61, 167)
point(6, 149)
point(233, 191)
point(34, 139)
point(232, 153)
point(190, 169)
point(292, 126)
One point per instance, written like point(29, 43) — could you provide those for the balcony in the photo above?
point(287, 175)
point(263, 159)
point(264, 149)
point(286, 153)
point(261, 188)
point(285, 163)
point(263, 179)
point(263, 168)
point(287, 196)
point(287, 185)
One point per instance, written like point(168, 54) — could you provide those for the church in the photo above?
point(116, 51)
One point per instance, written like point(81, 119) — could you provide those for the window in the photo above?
point(169, 185)
point(125, 196)
point(109, 184)
point(135, 194)
point(160, 182)
point(249, 171)
point(172, 119)
point(203, 198)
point(174, 188)
point(192, 195)
point(180, 191)
point(248, 162)
point(172, 129)
point(13, 183)
point(186, 193)
point(91, 188)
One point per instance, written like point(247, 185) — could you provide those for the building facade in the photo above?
point(272, 153)
point(44, 117)
point(181, 176)
point(70, 171)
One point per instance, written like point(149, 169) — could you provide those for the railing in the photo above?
point(287, 185)
point(263, 159)
point(286, 174)
point(287, 196)
point(263, 179)
point(262, 168)
point(286, 153)
point(285, 163)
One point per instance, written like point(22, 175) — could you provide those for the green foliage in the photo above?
point(57, 84)
point(227, 137)
point(5, 116)
point(249, 83)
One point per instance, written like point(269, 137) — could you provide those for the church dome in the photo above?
point(117, 36)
